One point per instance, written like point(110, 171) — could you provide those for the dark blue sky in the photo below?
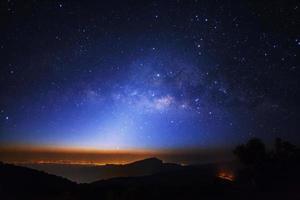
point(151, 74)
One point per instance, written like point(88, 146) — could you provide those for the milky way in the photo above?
point(151, 75)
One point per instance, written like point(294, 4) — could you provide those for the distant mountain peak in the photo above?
point(152, 160)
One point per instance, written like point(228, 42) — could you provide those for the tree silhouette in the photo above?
point(251, 153)
point(284, 147)
point(284, 151)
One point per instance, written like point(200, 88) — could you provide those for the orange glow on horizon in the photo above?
point(86, 149)
point(66, 162)
point(59, 149)
point(38, 154)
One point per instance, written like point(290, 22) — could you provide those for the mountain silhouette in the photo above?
point(88, 174)
point(170, 181)
point(23, 183)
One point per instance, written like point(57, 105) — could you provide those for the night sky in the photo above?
point(148, 74)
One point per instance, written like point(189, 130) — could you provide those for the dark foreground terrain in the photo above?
point(186, 183)
point(263, 175)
